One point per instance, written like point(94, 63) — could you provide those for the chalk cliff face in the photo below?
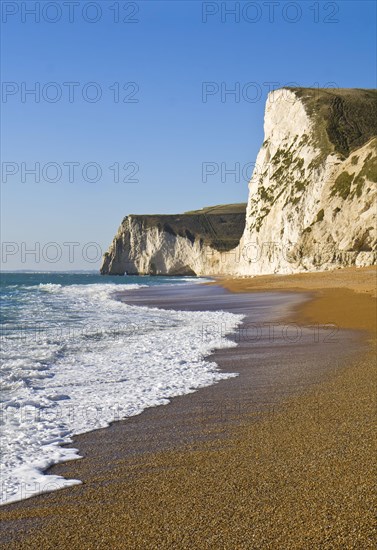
point(312, 199)
point(182, 244)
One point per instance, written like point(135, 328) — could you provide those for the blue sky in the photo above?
point(164, 131)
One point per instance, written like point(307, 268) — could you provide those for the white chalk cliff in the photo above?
point(312, 199)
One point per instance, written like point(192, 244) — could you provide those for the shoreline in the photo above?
point(217, 435)
point(327, 289)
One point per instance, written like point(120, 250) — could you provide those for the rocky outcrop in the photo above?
point(312, 199)
point(182, 244)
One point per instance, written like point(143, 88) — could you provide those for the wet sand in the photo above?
point(279, 457)
point(347, 296)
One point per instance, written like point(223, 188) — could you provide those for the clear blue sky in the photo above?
point(167, 53)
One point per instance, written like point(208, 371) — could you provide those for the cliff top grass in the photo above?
point(238, 208)
point(346, 118)
point(220, 226)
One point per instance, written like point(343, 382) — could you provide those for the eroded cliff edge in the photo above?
point(174, 244)
point(312, 199)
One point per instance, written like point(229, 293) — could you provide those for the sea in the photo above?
point(76, 358)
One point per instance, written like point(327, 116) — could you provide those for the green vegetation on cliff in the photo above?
point(220, 227)
point(345, 119)
point(342, 185)
point(348, 185)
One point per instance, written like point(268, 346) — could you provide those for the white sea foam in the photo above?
point(79, 360)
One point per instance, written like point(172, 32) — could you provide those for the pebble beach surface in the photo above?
point(279, 457)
